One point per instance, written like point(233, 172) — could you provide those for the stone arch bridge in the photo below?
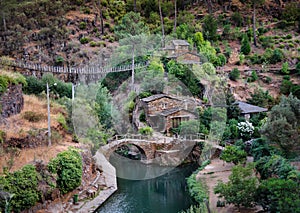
point(161, 150)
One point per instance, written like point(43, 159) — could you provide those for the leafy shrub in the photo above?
point(237, 19)
point(84, 40)
point(273, 166)
point(68, 167)
point(253, 77)
point(3, 83)
point(234, 74)
point(146, 130)
point(277, 195)
point(33, 116)
point(241, 187)
point(62, 121)
point(2, 136)
point(82, 25)
point(233, 154)
point(285, 68)
point(23, 184)
point(298, 68)
point(209, 28)
point(245, 46)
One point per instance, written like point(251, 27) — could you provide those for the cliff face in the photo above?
point(12, 101)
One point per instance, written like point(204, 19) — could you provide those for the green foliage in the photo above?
point(184, 73)
point(231, 130)
point(185, 31)
point(131, 25)
point(7, 78)
point(197, 189)
point(82, 25)
point(2, 136)
point(282, 127)
point(259, 149)
point(245, 46)
point(3, 83)
point(233, 154)
point(285, 68)
point(253, 77)
point(33, 116)
point(261, 98)
point(277, 195)
point(241, 187)
point(146, 130)
point(298, 68)
point(153, 80)
point(189, 127)
point(36, 86)
point(273, 56)
point(234, 74)
point(62, 121)
point(84, 40)
point(237, 19)
point(23, 185)
point(209, 28)
point(273, 166)
point(291, 11)
point(68, 167)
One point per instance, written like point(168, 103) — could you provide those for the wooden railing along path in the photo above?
point(92, 70)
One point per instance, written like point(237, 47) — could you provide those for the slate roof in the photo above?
point(180, 43)
point(249, 108)
point(168, 112)
point(155, 97)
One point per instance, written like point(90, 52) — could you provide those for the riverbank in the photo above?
point(106, 182)
point(210, 175)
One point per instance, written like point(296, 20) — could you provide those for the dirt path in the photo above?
point(211, 174)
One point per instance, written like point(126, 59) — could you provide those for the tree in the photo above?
point(255, 4)
point(175, 16)
point(241, 187)
point(68, 167)
point(278, 195)
point(162, 24)
point(5, 8)
point(209, 28)
point(232, 154)
point(273, 166)
point(282, 126)
point(234, 74)
point(261, 98)
point(245, 47)
point(131, 31)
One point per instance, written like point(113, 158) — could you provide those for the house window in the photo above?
point(177, 121)
point(164, 105)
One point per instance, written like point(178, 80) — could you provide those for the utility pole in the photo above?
point(48, 110)
point(49, 119)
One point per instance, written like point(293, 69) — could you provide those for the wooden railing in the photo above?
point(88, 70)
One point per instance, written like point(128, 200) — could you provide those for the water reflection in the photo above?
point(166, 194)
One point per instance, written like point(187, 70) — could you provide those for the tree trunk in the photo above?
point(132, 69)
point(134, 6)
point(175, 16)
point(254, 26)
point(99, 9)
point(4, 22)
point(162, 24)
point(209, 6)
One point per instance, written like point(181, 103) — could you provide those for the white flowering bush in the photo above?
point(246, 129)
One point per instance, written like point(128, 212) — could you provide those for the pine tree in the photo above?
point(245, 47)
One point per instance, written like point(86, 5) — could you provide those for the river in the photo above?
point(164, 194)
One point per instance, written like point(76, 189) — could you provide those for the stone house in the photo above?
point(179, 51)
point(164, 112)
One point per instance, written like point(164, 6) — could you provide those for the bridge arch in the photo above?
point(145, 147)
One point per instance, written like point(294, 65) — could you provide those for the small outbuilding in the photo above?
point(248, 109)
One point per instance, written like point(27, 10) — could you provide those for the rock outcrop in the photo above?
point(12, 101)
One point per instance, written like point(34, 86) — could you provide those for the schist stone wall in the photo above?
point(12, 101)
